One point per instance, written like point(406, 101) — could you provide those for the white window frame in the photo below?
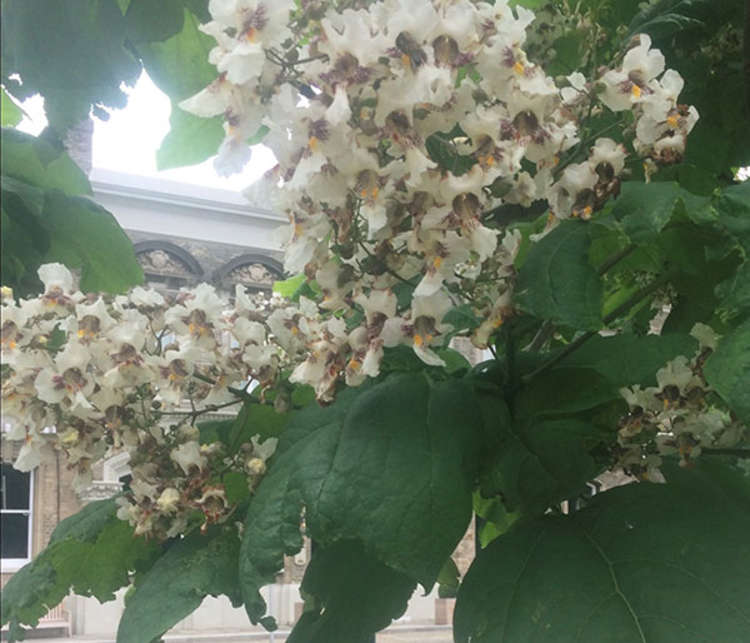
point(14, 564)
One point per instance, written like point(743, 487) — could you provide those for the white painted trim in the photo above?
point(171, 192)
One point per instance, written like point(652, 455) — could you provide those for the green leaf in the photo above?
point(147, 22)
point(272, 524)
point(563, 391)
point(557, 282)
point(734, 294)
point(403, 467)
point(10, 113)
point(355, 595)
point(543, 464)
point(567, 53)
point(290, 288)
point(87, 523)
point(91, 553)
point(728, 370)
point(646, 208)
point(391, 465)
point(38, 163)
point(627, 359)
point(734, 212)
point(84, 235)
point(448, 579)
point(235, 486)
point(660, 563)
point(179, 66)
point(32, 197)
point(190, 140)
point(443, 152)
point(178, 582)
point(72, 53)
point(257, 419)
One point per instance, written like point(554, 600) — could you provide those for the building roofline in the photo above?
point(157, 190)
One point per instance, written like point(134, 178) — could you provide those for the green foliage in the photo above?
point(179, 67)
point(544, 455)
point(42, 164)
point(646, 208)
point(10, 113)
point(191, 569)
point(557, 282)
point(381, 465)
point(190, 140)
point(46, 217)
point(350, 595)
point(91, 553)
point(73, 53)
point(639, 564)
point(728, 370)
point(628, 359)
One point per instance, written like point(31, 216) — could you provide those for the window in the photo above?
point(16, 491)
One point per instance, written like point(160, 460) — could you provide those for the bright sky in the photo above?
point(128, 141)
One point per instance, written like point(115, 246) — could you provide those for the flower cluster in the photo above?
point(133, 373)
point(398, 126)
point(677, 416)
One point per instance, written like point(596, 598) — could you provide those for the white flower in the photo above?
point(187, 456)
point(55, 275)
point(168, 500)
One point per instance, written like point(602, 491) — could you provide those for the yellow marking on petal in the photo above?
point(428, 338)
point(498, 322)
point(587, 212)
point(313, 143)
point(251, 34)
point(11, 344)
point(363, 193)
point(298, 230)
point(636, 91)
point(406, 60)
point(555, 160)
point(666, 403)
point(81, 332)
point(295, 330)
point(672, 121)
point(418, 340)
point(354, 364)
point(437, 262)
point(518, 67)
point(374, 192)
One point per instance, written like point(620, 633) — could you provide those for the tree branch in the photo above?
point(578, 342)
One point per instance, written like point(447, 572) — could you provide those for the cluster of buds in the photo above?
point(675, 417)
point(397, 126)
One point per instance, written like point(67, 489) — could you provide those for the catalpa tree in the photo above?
point(559, 182)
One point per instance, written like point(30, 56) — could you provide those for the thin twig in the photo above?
point(211, 408)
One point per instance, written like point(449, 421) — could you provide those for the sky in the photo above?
point(128, 141)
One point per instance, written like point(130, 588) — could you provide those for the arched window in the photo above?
point(255, 272)
point(166, 266)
